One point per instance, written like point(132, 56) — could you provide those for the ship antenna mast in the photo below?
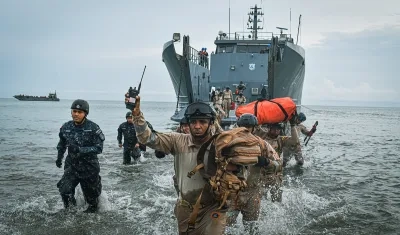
point(229, 34)
point(290, 22)
point(298, 30)
point(256, 11)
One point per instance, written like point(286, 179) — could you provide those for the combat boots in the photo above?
point(93, 206)
point(68, 201)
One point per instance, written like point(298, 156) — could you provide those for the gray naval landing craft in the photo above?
point(51, 97)
point(258, 59)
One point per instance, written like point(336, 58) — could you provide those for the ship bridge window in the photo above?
point(249, 48)
point(225, 49)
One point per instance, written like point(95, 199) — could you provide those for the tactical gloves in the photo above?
point(73, 149)
point(159, 154)
point(262, 161)
point(59, 162)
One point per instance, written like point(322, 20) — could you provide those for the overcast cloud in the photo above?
point(96, 49)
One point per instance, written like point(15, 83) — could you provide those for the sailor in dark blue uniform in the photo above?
point(84, 140)
point(131, 144)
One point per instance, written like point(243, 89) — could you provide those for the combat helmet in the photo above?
point(301, 117)
point(247, 120)
point(184, 120)
point(199, 110)
point(81, 105)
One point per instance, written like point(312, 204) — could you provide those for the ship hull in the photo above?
point(289, 74)
point(36, 99)
point(189, 79)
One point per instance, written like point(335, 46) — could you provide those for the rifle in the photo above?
point(132, 93)
point(312, 131)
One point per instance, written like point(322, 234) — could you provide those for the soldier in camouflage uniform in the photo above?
point(240, 99)
point(296, 150)
point(184, 148)
point(84, 140)
point(273, 180)
point(131, 144)
point(250, 198)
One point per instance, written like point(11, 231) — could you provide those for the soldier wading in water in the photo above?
point(84, 140)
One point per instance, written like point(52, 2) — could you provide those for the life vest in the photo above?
point(269, 111)
point(237, 146)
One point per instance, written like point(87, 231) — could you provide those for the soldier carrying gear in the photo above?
point(240, 99)
point(184, 148)
point(84, 140)
point(272, 135)
point(296, 150)
point(300, 127)
point(131, 144)
point(249, 199)
point(227, 98)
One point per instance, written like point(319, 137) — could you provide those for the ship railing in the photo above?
point(194, 56)
point(246, 36)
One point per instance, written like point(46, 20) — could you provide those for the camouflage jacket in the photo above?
point(88, 137)
point(128, 131)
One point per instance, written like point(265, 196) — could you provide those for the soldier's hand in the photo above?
point(59, 162)
point(312, 131)
point(120, 145)
point(137, 145)
point(74, 149)
point(262, 161)
point(136, 110)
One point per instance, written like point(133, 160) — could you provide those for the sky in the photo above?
point(96, 49)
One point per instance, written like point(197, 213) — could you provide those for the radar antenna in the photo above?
point(281, 29)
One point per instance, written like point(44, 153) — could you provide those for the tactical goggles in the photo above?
point(198, 110)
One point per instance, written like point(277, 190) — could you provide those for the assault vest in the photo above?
point(238, 147)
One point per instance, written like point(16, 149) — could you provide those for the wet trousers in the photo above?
point(90, 184)
point(273, 184)
point(209, 221)
point(130, 153)
point(248, 203)
point(296, 152)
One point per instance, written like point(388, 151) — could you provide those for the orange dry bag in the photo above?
point(232, 105)
point(269, 111)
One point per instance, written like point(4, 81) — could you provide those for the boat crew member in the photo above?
point(84, 140)
point(227, 99)
point(241, 87)
point(272, 135)
point(240, 99)
point(250, 198)
point(184, 148)
point(131, 144)
point(264, 93)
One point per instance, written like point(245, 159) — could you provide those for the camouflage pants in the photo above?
point(227, 106)
point(130, 153)
point(273, 184)
point(209, 220)
point(91, 185)
point(248, 203)
point(289, 152)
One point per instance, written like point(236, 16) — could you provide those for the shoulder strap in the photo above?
point(200, 156)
